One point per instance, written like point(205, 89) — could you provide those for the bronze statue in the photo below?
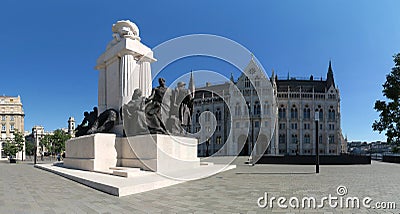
point(87, 122)
point(157, 109)
point(134, 116)
point(180, 114)
point(105, 122)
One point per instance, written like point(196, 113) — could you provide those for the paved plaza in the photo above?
point(25, 189)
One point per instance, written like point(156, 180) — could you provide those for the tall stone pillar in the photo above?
point(145, 77)
point(123, 67)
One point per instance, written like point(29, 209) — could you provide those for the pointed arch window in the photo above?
point(218, 114)
point(293, 112)
point(246, 82)
point(331, 114)
point(307, 113)
point(197, 116)
point(282, 112)
point(257, 108)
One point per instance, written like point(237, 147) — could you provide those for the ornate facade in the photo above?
point(268, 115)
point(11, 119)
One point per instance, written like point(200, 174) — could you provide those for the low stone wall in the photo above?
point(310, 159)
point(391, 158)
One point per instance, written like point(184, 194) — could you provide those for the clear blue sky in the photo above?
point(49, 49)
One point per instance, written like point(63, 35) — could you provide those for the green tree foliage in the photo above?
point(55, 143)
point(29, 147)
point(59, 139)
point(389, 117)
point(15, 145)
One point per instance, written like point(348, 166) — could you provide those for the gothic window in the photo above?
point(257, 108)
point(237, 110)
point(331, 114)
point(331, 139)
point(266, 108)
point(246, 82)
point(282, 112)
point(218, 114)
point(294, 138)
point(256, 124)
point(257, 82)
point(307, 113)
point(197, 116)
point(293, 112)
point(207, 116)
point(218, 140)
point(307, 138)
point(282, 138)
point(282, 126)
point(321, 114)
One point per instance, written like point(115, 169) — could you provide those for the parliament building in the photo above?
point(268, 115)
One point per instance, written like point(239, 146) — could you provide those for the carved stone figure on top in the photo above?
point(134, 115)
point(124, 29)
point(105, 122)
point(157, 109)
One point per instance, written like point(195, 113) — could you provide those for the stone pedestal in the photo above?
point(94, 152)
point(157, 152)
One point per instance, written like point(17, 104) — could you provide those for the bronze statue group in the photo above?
point(165, 111)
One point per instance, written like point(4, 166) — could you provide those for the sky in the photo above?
point(49, 48)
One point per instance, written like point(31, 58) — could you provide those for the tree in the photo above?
point(55, 143)
point(389, 117)
point(15, 145)
point(29, 147)
point(59, 138)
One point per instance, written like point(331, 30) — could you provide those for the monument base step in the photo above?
point(123, 186)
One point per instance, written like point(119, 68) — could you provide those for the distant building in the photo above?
point(275, 112)
point(37, 134)
point(35, 137)
point(71, 126)
point(298, 100)
point(11, 119)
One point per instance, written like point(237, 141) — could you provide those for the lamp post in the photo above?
point(316, 117)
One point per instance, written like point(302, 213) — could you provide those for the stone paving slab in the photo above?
point(142, 181)
point(25, 189)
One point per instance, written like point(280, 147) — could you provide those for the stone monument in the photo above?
point(123, 67)
point(137, 132)
point(131, 128)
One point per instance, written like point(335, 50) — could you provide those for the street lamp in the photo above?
point(316, 117)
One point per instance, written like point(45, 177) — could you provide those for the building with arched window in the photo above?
point(309, 96)
point(11, 119)
point(276, 115)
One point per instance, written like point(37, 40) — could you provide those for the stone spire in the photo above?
point(191, 83)
point(329, 76)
